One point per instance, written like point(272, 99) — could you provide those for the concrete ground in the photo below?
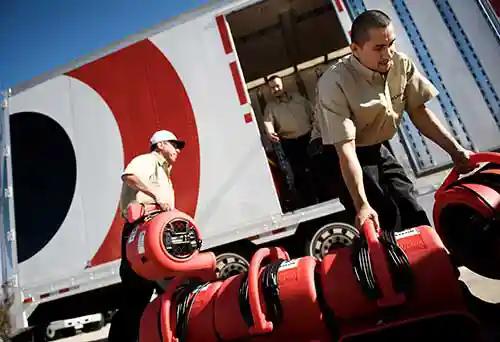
point(484, 288)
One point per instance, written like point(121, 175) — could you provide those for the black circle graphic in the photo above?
point(44, 176)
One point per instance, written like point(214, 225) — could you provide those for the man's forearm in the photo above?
point(269, 127)
point(430, 126)
point(352, 173)
point(134, 182)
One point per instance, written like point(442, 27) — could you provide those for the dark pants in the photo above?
point(296, 153)
point(388, 189)
point(135, 296)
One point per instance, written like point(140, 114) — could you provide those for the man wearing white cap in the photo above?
point(146, 180)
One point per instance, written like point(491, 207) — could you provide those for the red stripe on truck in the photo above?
point(340, 7)
point(135, 79)
point(248, 117)
point(224, 34)
point(238, 83)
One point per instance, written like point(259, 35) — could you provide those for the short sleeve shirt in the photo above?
point(355, 102)
point(292, 117)
point(152, 170)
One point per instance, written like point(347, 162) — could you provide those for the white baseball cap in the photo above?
point(164, 135)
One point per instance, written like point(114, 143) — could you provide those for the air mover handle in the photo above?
point(261, 325)
point(381, 267)
point(475, 159)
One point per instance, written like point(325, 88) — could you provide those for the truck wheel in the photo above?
point(331, 236)
point(51, 334)
point(229, 264)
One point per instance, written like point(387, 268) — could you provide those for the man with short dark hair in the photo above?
point(361, 100)
point(146, 180)
point(288, 120)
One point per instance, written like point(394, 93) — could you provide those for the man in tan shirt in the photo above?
point(361, 100)
point(146, 180)
point(288, 121)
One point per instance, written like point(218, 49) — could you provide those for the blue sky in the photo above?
point(38, 36)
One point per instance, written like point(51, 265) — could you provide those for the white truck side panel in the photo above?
point(95, 137)
point(236, 187)
point(460, 83)
point(403, 44)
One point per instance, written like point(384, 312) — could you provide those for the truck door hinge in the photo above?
point(6, 151)
point(8, 193)
point(13, 281)
point(11, 235)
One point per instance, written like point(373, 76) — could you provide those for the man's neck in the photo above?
point(283, 97)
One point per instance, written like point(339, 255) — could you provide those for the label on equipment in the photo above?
point(140, 243)
point(131, 237)
point(407, 233)
point(288, 264)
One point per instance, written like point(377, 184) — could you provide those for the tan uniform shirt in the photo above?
point(291, 118)
point(358, 103)
point(152, 170)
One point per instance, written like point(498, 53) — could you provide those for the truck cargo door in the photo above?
point(8, 255)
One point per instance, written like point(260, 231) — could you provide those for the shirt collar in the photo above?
point(161, 159)
point(367, 73)
point(285, 98)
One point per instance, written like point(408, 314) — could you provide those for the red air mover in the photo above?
point(294, 307)
point(149, 329)
point(201, 314)
point(166, 244)
point(467, 216)
point(238, 306)
point(158, 321)
point(386, 281)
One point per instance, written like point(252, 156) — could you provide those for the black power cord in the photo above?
point(270, 292)
point(245, 310)
point(399, 265)
point(361, 264)
point(184, 299)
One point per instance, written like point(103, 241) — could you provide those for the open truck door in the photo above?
point(10, 294)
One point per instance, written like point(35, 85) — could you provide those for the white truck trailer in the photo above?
point(66, 136)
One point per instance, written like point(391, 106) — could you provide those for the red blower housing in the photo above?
point(239, 306)
point(467, 216)
point(296, 306)
point(166, 244)
point(369, 297)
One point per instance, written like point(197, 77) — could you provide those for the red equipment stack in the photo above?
point(390, 285)
point(394, 286)
point(467, 216)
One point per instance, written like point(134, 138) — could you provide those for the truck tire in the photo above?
point(51, 334)
point(330, 237)
point(229, 264)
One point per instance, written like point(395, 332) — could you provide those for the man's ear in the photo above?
point(354, 48)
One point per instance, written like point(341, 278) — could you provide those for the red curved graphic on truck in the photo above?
point(145, 94)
